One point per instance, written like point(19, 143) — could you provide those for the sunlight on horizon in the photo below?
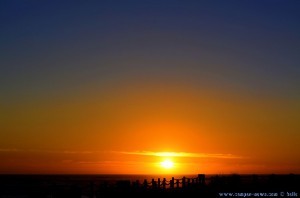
point(167, 164)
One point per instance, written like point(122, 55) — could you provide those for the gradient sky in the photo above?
point(111, 86)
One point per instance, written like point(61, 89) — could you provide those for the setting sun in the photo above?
point(167, 164)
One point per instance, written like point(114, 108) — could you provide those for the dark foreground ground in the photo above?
point(42, 186)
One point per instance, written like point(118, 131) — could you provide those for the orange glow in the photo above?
point(131, 131)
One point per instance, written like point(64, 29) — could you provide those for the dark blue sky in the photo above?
point(52, 46)
point(246, 44)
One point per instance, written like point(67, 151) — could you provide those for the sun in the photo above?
point(167, 164)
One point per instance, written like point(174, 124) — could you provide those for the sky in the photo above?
point(118, 87)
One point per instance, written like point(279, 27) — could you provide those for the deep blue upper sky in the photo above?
point(53, 46)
